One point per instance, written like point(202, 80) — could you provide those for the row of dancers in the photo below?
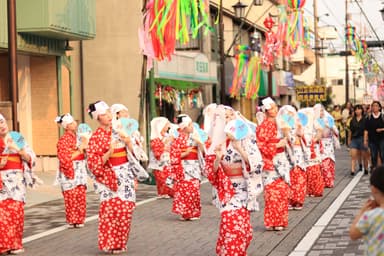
point(287, 155)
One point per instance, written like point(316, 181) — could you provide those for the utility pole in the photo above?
point(222, 55)
point(12, 61)
point(317, 60)
point(346, 55)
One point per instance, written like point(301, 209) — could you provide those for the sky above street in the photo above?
point(335, 9)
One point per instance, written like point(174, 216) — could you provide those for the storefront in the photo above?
point(184, 85)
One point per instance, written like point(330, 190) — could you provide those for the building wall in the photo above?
point(4, 88)
point(44, 104)
point(112, 61)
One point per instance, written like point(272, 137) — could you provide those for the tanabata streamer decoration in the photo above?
point(242, 55)
point(247, 74)
point(168, 21)
point(253, 80)
point(281, 34)
point(270, 45)
point(296, 35)
point(358, 47)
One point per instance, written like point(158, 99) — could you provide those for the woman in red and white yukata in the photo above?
point(138, 153)
point(276, 189)
point(187, 160)
point(329, 139)
point(72, 174)
point(107, 158)
point(233, 167)
point(297, 174)
point(312, 153)
point(159, 157)
point(15, 175)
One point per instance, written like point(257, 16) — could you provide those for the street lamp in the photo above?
point(239, 8)
point(382, 13)
point(258, 2)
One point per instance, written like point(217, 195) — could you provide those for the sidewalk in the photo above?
point(334, 240)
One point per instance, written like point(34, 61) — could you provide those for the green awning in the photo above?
point(177, 84)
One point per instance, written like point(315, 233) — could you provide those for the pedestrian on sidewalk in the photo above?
point(16, 173)
point(356, 141)
point(276, 189)
point(72, 173)
point(160, 156)
point(187, 149)
point(107, 158)
point(374, 134)
point(369, 222)
point(233, 166)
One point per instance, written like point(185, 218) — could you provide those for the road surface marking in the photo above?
point(91, 218)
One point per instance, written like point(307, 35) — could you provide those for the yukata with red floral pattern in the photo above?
point(114, 175)
point(291, 127)
point(276, 189)
point(298, 188)
point(186, 159)
point(329, 139)
point(72, 174)
point(159, 156)
point(16, 174)
point(313, 149)
point(235, 172)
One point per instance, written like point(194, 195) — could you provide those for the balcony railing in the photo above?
point(57, 19)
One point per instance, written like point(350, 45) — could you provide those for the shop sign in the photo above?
point(311, 93)
point(194, 67)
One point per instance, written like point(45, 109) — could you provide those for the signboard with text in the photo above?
point(311, 93)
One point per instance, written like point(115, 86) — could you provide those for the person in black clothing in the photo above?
point(374, 133)
point(356, 140)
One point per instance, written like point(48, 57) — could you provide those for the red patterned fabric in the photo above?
point(75, 205)
point(298, 188)
point(315, 183)
point(219, 180)
point(98, 145)
point(187, 199)
point(11, 225)
point(235, 233)
point(328, 171)
point(266, 134)
point(276, 204)
point(161, 177)
point(65, 147)
point(157, 147)
point(114, 223)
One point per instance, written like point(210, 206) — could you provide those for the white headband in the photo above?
point(183, 121)
point(157, 125)
point(267, 103)
point(99, 108)
point(2, 117)
point(64, 120)
point(116, 108)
